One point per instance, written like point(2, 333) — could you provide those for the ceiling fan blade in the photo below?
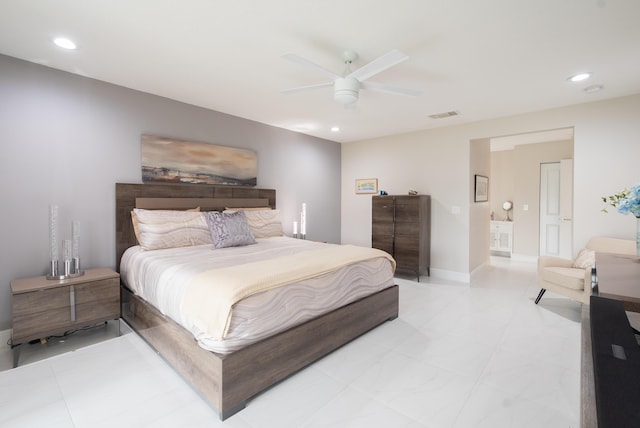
point(379, 87)
point(305, 88)
point(306, 63)
point(379, 65)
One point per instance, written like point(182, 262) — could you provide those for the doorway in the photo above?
point(515, 176)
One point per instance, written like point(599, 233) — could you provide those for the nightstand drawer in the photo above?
point(40, 301)
point(40, 324)
point(97, 300)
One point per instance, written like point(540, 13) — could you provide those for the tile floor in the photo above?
point(459, 355)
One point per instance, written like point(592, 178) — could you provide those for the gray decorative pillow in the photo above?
point(229, 229)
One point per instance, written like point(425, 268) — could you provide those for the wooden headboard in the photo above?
point(179, 196)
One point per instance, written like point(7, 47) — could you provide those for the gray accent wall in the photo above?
point(66, 140)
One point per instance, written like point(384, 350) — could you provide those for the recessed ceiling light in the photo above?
point(335, 129)
point(64, 43)
point(579, 77)
point(444, 114)
point(593, 88)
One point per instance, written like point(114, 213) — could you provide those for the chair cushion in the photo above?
point(565, 277)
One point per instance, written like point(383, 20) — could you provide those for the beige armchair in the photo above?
point(572, 278)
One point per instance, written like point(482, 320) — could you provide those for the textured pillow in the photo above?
point(134, 218)
point(157, 229)
point(586, 259)
point(229, 229)
point(264, 222)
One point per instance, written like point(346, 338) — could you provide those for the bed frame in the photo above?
point(228, 381)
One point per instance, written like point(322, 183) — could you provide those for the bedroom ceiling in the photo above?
point(483, 60)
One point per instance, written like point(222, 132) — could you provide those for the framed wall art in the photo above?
point(366, 185)
point(167, 160)
point(481, 189)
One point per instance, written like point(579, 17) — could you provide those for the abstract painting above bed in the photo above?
point(168, 160)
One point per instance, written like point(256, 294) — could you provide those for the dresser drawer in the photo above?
point(383, 242)
point(407, 251)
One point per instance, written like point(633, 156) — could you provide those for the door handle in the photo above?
point(566, 219)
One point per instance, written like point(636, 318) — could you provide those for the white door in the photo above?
point(556, 209)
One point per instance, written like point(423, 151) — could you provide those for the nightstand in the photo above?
point(41, 308)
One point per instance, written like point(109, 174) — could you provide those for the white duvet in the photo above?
point(161, 277)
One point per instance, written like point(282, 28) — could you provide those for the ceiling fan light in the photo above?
point(345, 97)
point(345, 90)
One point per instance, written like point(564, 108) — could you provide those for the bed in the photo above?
point(228, 378)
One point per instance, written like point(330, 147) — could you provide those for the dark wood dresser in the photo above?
point(401, 226)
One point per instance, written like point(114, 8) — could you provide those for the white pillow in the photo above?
point(586, 259)
point(264, 223)
point(157, 229)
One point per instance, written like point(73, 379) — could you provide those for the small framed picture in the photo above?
point(366, 185)
point(482, 189)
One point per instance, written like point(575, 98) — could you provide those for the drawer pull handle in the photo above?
point(72, 303)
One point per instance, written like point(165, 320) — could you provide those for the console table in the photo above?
point(619, 279)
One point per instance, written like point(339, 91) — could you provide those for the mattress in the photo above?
point(161, 278)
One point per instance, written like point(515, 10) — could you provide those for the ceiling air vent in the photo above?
point(444, 115)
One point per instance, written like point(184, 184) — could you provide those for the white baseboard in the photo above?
point(451, 275)
point(479, 268)
point(466, 277)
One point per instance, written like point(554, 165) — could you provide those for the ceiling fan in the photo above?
point(346, 87)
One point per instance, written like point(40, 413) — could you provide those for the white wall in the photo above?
point(527, 159)
point(67, 140)
point(479, 212)
point(433, 163)
point(606, 158)
point(501, 185)
point(436, 162)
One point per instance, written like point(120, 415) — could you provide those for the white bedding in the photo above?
point(161, 277)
